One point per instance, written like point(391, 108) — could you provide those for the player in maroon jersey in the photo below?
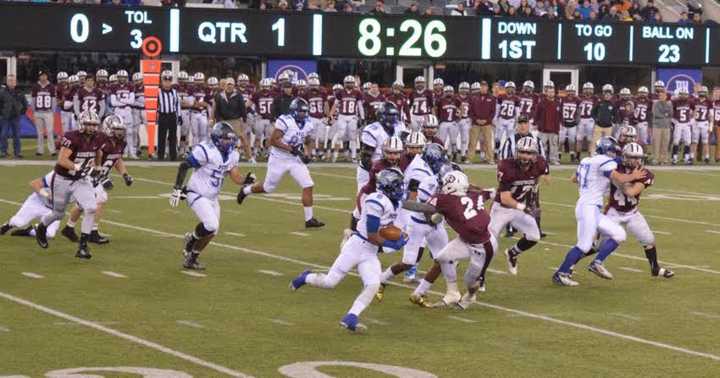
point(89, 98)
point(112, 150)
point(138, 108)
point(393, 157)
point(508, 108)
point(398, 98)
point(463, 211)
point(518, 179)
point(421, 103)
point(528, 101)
point(641, 115)
point(586, 124)
point(318, 109)
point(716, 118)
point(102, 81)
point(201, 109)
point(348, 106)
point(701, 126)
point(448, 108)
point(373, 100)
point(43, 106)
point(122, 99)
point(570, 119)
point(75, 166)
point(683, 109)
point(625, 107)
point(262, 101)
point(438, 88)
point(66, 101)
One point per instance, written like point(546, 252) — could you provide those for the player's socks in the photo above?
point(83, 252)
point(522, 245)
point(364, 299)
point(606, 248)
point(651, 254)
point(387, 275)
point(571, 258)
point(308, 211)
point(247, 190)
point(423, 287)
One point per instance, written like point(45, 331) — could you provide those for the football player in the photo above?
point(587, 122)
point(701, 126)
point(211, 161)
point(626, 134)
point(624, 202)
point(508, 105)
point(183, 91)
point(593, 177)
point(463, 124)
point(262, 128)
point(43, 107)
point(64, 93)
point(398, 98)
point(528, 100)
point(79, 153)
point(349, 110)
point(518, 178)
point(373, 137)
point(415, 144)
point(122, 99)
point(317, 100)
point(683, 110)
point(89, 99)
point(463, 211)
point(448, 111)
point(290, 153)
point(378, 211)
point(421, 104)
point(200, 108)
point(625, 108)
point(373, 101)
point(438, 88)
point(642, 114)
point(112, 152)
point(138, 109)
point(36, 205)
point(570, 117)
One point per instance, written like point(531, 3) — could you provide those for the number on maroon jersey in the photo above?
point(702, 113)
point(683, 116)
point(641, 112)
point(316, 106)
point(348, 105)
point(507, 109)
point(420, 105)
point(43, 101)
point(586, 109)
point(623, 200)
point(90, 104)
point(471, 208)
point(265, 104)
point(569, 110)
point(526, 105)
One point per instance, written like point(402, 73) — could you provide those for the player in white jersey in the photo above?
point(373, 137)
point(291, 143)
point(36, 205)
point(211, 161)
point(378, 211)
point(138, 111)
point(593, 177)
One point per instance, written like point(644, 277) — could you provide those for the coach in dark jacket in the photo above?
point(13, 105)
point(604, 114)
point(547, 117)
point(230, 108)
point(282, 104)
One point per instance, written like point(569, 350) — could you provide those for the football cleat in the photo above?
point(352, 323)
point(466, 301)
point(69, 232)
point(193, 265)
point(481, 284)
point(314, 223)
point(410, 275)
point(189, 243)
point(241, 196)
point(299, 281)
point(380, 295)
point(563, 279)
point(41, 235)
point(419, 300)
point(512, 262)
point(5, 228)
point(599, 270)
point(83, 253)
point(96, 238)
point(22, 232)
point(451, 298)
point(663, 272)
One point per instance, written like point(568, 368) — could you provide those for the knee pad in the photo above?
point(202, 230)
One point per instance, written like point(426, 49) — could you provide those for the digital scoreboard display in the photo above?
point(313, 35)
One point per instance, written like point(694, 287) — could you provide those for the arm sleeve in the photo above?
point(608, 167)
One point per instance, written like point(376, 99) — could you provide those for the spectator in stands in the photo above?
point(412, 10)
point(459, 10)
point(525, 9)
point(282, 5)
point(348, 8)
point(585, 9)
point(683, 20)
point(593, 16)
point(571, 12)
point(330, 6)
point(313, 5)
point(612, 15)
point(649, 11)
point(428, 12)
point(299, 5)
point(504, 6)
point(511, 12)
point(14, 105)
point(379, 8)
point(603, 9)
point(635, 11)
point(697, 19)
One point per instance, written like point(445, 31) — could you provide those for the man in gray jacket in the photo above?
point(13, 105)
point(662, 111)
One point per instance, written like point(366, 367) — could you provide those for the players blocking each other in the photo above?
point(378, 212)
point(210, 161)
point(291, 143)
point(593, 177)
point(36, 205)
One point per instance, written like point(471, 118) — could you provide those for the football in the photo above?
point(390, 232)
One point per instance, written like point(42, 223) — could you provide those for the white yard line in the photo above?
point(491, 270)
point(545, 318)
point(32, 275)
point(625, 316)
point(235, 234)
point(712, 232)
point(281, 322)
point(629, 269)
point(376, 321)
point(303, 234)
point(4, 329)
point(662, 232)
point(705, 315)
point(270, 273)
point(193, 274)
point(464, 320)
point(76, 324)
point(190, 323)
point(125, 336)
point(113, 274)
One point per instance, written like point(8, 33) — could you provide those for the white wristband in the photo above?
point(520, 206)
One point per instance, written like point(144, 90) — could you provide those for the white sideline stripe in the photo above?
point(4, 329)
point(113, 211)
point(625, 316)
point(705, 315)
point(113, 274)
point(491, 270)
point(136, 197)
point(662, 232)
point(235, 234)
point(270, 273)
point(32, 275)
point(190, 323)
point(193, 274)
point(74, 324)
point(122, 335)
point(376, 321)
point(464, 320)
point(299, 233)
point(674, 265)
point(280, 321)
point(549, 319)
point(629, 269)
point(712, 232)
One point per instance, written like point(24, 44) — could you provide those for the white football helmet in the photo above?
point(73, 79)
point(366, 87)
point(213, 81)
point(243, 79)
point(313, 75)
point(113, 79)
point(121, 74)
point(137, 76)
point(101, 75)
point(199, 77)
point(588, 86)
point(659, 84)
point(625, 92)
point(549, 84)
point(570, 88)
point(632, 155)
point(393, 144)
point(89, 121)
point(464, 87)
point(283, 77)
point(703, 91)
point(265, 83)
point(431, 121)
point(313, 82)
point(510, 84)
point(301, 83)
point(455, 183)
point(643, 90)
point(449, 89)
point(62, 76)
point(608, 88)
point(113, 125)
point(166, 75)
point(398, 84)
point(627, 134)
point(438, 82)
point(475, 86)
point(420, 80)
point(349, 80)
point(81, 75)
point(337, 87)
point(415, 139)
point(183, 76)
point(529, 84)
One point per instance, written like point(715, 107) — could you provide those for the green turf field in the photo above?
point(130, 306)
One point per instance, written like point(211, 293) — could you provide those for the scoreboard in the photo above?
point(313, 35)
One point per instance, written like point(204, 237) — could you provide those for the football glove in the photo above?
point(177, 195)
point(297, 150)
point(107, 183)
point(128, 179)
point(81, 171)
point(306, 159)
point(396, 244)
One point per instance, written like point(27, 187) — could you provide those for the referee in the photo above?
point(168, 107)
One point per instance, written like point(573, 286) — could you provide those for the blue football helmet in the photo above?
point(390, 183)
point(223, 137)
point(608, 146)
point(388, 114)
point(299, 109)
point(434, 156)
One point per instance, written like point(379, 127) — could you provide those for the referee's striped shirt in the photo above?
point(168, 101)
point(507, 151)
